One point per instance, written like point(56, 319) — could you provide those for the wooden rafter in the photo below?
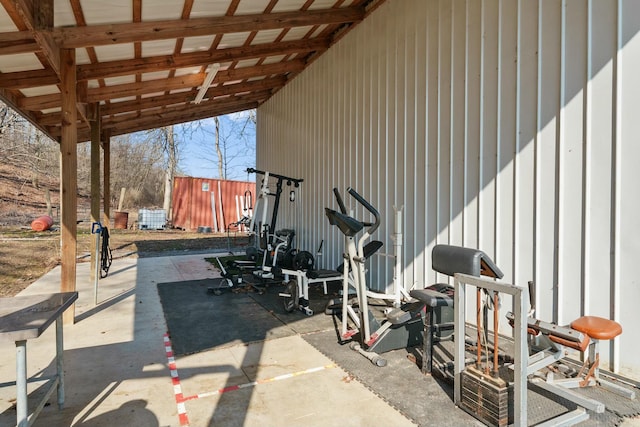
point(124, 87)
point(36, 103)
point(99, 35)
point(67, 82)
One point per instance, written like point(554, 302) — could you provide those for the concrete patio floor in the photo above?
point(117, 365)
point(119, 369)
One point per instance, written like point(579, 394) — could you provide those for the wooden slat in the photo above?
point(97, 35)
point(168, 62)
point(34, 20)
point(26, 79)
point(147, 124)
point(43, 102)
point(129, 123)
point(100, 94)
point(184, 97)
point(37, 15)
point(207, 107)
point(18, 42)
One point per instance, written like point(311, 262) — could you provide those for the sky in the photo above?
point(197, 147)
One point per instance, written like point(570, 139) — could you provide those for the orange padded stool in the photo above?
point(597, 328)
point(583, 333)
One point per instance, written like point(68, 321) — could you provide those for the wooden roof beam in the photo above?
point(134, 122)
point(84, 134)
point(171, 62)
point(52, 119)
point(37, 16)
point(16, 42)
point(160, 114)
point(26, 79)
point(43, 102)
point(12, 101)
point(186, 97)
point(108, 34)
point(152, 123)
point(36, 78)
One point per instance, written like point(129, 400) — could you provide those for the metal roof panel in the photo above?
point(133, 67)
point(197, 44)
point(115, 52)
point(107, 11)
point(158, 47)
point(209, 8)
point(161, 10)
point(19, 62)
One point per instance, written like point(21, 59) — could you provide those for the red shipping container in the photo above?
point(208, 202)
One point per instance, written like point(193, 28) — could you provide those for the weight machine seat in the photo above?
point(323, 274)
point(597, 328)
point(438, 295)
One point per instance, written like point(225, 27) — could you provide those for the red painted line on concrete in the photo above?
point(181, 399)
point(257, 382)
point(175, 380)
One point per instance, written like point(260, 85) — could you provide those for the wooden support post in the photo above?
point(68, 177)
point(106, 178)
point(95, 184)
point(47, 199)
point(123, 191)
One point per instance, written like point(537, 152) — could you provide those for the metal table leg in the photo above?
point(60, 361)
point(21, 384)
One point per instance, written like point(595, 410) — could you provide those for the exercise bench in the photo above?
point(438, 298)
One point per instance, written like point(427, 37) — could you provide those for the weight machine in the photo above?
point(538, 345)
point(273, 244)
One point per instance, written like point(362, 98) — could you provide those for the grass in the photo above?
point(26, 255)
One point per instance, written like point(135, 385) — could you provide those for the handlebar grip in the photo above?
point(367, 206)
point(343, 208)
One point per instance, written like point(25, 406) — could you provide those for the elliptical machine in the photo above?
point(402, 326)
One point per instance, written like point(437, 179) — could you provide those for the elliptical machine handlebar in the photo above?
point(343, 208)
point(372, 227)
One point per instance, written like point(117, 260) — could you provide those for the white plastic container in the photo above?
point(149, 219)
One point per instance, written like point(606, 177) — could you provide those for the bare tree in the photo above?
point(221, 170)
point(145, 163)
point(233, 148)
point(138, 165)
point(172, 164)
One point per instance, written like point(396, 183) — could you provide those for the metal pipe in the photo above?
point(495, 334)
point(21, 383)
point(478, 328)
point(60, 361)
point(96, 228)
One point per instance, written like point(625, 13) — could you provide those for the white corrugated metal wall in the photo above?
point(506, 125)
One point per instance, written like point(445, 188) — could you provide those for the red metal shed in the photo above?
point(208, 202)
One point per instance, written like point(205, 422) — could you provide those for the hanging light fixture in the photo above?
point(211, 74)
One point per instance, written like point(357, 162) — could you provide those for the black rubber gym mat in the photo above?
point(428, 400)
point(198, 320)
